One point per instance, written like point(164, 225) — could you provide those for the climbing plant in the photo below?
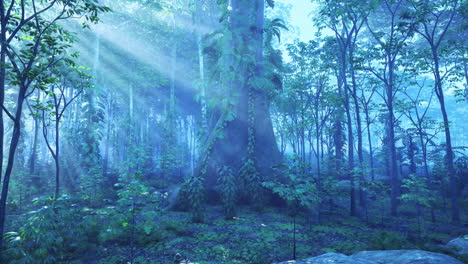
point(228, 190)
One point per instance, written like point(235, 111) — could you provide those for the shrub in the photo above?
point(133, 218)
point(386, 240)
point(53, 233)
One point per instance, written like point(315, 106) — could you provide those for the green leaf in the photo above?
point(147, 228)
point(271, 3)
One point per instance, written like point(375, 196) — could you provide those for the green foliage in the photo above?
point(51, 234)
point(419, 194)
point(271, 3)
point(297, 187)
point(90, 130)
point(40, 43)
point(134, 216)
point(256, 251)
point(195, 191)
point(273, 28)
point(113, 260)
point(91, 186)
point(179, 228)
point(21, 189)
point(461, 167)
point(347, 247)
point(378, 192)
point(251, 182)
point(172, 152)
point(387, 240)
point(139, 159)
point(228, 188)
point(417, 191)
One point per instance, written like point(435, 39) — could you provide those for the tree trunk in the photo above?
point(369, 139)
point(11, 157)
point(391, 142)
point(246, 25)
point(350, 155)
point(107, 141)
point(448, 140)
point(357, 109)
point(57, 156)
point(32, 158)
point(201, 67)
point(319, 176)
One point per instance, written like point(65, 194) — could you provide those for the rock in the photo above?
point(330, 258)
point(405, 257)
point(380, 257)
point(459, 245)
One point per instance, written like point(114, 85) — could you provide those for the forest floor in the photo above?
point(267, 236)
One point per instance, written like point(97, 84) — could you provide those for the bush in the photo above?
point(133, 218)
point(55, 232)
point(386, 240)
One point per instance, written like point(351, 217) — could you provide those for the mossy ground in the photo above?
point(266, 237)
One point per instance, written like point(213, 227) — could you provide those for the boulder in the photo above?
point(459, 245)
point(330, 258)
point(405, 257)
point(380, 257)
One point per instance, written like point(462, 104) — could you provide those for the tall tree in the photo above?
point(390, 32)
point(248, 131)
point(346, 19)
point(436, 19)
point(416, 110)
point(66, 77)
point(31, 43)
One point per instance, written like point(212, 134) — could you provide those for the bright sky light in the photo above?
point(301, 17)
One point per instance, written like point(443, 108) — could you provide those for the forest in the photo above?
point(233, 131)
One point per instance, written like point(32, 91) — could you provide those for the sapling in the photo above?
point(298, 190)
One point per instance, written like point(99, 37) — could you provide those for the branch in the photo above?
point(45, 134)
point(8, 113)
point(25, 21)
point(9, 9)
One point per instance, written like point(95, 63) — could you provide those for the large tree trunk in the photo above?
point(246, 24)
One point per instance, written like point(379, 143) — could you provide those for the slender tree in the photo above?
point(436, 19)
point(55, 108)
point(24, 64)
point(390, 33)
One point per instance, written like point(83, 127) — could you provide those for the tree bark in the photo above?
point(246, 25)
